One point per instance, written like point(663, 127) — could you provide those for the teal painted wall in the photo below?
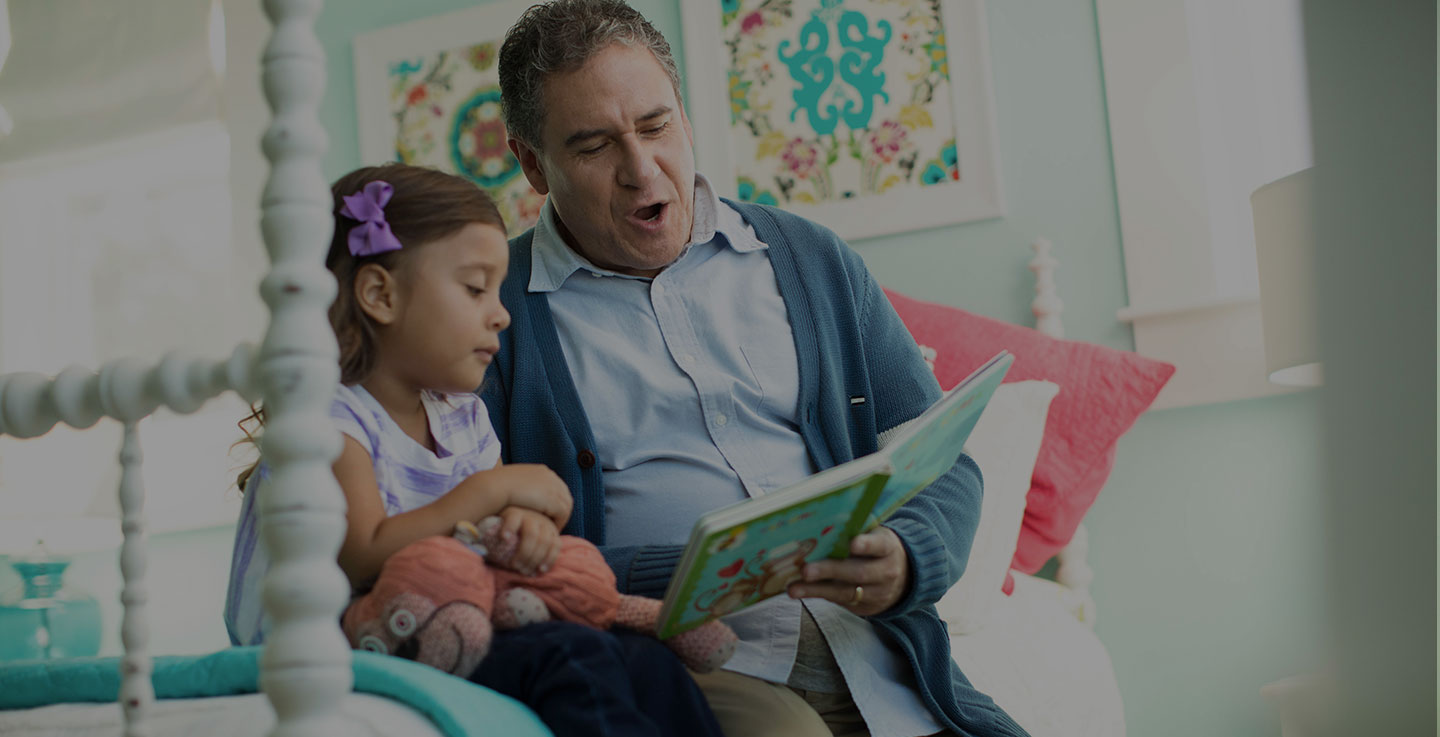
point(1208, 546)
point(1207, 540)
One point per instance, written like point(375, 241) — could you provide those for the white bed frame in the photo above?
point(305, 666)
point(1074, 572)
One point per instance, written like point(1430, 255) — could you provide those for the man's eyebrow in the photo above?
point(582, 135)
point(579, 136)
point(661, 111)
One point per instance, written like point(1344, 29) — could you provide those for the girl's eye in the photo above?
point(474, 291)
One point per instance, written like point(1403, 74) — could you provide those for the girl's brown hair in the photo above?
point(426, 206)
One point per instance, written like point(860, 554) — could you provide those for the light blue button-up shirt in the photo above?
point(708, 421)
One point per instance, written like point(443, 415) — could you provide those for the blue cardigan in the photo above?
point(849, 343)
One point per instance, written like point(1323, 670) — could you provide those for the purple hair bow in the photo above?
point(372, 236)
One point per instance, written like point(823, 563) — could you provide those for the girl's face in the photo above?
point(449, 317)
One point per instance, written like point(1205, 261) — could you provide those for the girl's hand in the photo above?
point(533, 486)
point(538, 540)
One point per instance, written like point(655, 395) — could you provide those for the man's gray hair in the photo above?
point(559, 37)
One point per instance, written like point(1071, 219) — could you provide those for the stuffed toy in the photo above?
point(437, 601)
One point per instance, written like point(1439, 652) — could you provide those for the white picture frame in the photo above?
point(976, 195)
point(392, 62)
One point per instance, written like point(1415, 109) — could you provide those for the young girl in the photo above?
point(419, 256)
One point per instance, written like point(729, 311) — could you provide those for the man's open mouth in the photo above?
point(650, 213)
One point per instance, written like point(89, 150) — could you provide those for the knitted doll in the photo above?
point(436, 601)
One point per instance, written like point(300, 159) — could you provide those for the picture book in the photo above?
point(749, 551)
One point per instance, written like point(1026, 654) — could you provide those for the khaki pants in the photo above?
point(751, 707)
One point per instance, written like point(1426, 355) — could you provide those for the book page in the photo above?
point(932, 447)
point(756, 559)
point(752, 550)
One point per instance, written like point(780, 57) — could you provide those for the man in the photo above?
point(671, 353)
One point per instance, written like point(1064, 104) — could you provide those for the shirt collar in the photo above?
point(552, 261)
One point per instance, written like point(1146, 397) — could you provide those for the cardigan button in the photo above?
point(586, 459)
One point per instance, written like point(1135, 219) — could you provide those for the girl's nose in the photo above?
point(500, 319)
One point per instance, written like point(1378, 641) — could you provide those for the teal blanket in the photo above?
point(457, 707)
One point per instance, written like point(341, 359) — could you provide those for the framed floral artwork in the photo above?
point(427, 92)
point(868, 116)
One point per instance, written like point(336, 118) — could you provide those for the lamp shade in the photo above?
point(1285, 253)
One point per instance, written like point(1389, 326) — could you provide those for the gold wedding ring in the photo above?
point(858, 597)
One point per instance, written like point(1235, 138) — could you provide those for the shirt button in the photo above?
point(721, 420)
point(586, 459)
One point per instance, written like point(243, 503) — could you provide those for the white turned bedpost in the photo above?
point(305, 666)
point(1046, 305)
point(136, 691)
point(126, 390)
point(1074, 573)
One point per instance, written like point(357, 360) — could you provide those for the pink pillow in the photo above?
point(1102, 392)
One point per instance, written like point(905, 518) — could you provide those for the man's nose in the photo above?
point(638, 166)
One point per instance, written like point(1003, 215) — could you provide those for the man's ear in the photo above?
point(530, 164)
point(375, 291)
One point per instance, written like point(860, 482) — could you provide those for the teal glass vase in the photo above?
point(43, 619)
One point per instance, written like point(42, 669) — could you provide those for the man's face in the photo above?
point(617, 161)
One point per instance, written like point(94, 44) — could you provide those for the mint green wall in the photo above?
point(1208, 549)
point(1207, 540)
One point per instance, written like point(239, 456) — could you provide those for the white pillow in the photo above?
point(1004, 444)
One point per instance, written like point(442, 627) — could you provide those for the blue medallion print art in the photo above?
point(825, 102)
point(478, 146)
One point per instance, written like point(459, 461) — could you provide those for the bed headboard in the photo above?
point(1074, 572)
point(305, 666)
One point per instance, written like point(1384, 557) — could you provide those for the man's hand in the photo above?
point(869, 582)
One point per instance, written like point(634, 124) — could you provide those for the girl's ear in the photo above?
point(376, 292)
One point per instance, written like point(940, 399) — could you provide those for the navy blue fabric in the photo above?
point(583, 682)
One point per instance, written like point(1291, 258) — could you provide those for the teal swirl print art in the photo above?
point(833, 100)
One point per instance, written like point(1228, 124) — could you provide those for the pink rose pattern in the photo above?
point(886, 141)
point(801, 158)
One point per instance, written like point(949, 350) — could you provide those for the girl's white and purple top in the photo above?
point(408, 475)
